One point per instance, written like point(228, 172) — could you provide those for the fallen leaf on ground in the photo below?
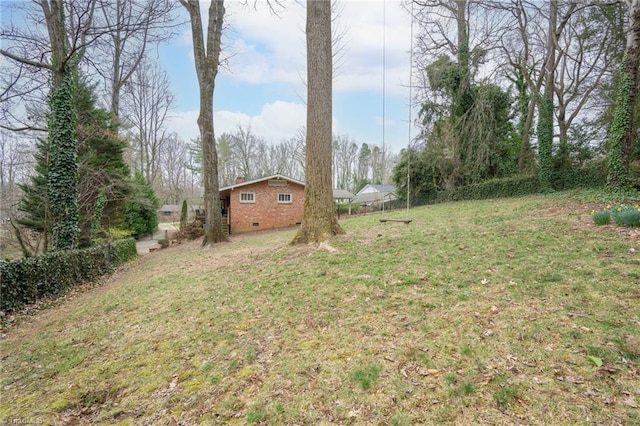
point(429, 372)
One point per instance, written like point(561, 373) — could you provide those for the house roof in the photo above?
point(377, 188)
point(174, 208)
point(342, 194)
point(262, 179)
point(372, 197)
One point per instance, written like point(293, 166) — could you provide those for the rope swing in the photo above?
point(407, 220)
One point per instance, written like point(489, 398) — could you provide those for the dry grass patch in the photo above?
point(498, 312)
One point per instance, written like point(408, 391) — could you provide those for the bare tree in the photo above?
point(16, 164)
point(207, 61)
point(227, 169)
point(173, 164)
point(319, 222)
point(50, 40)
point(584, 61)
point(133, 25)
point(147, 102)
point(527, 47)
point(245, 145)
point(345, 152)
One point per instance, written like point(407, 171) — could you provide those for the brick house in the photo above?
point(266, 203)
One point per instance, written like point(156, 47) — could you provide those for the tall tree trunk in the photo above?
point(622, 133)
point(207, 62)
point(631, 72)
point(63, 147)
point(319, 222)
point(545, 112)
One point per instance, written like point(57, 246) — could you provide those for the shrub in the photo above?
point(603, 217)
point(514, 186)
point(24, 281)
point(191, 231)
point(140, 212)
point(626, 215)
point(183, 214)
point(592, 175)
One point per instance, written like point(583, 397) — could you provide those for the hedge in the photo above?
point(515, 186)
point(592, 176)
point(26, 280)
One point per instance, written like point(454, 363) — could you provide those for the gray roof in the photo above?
point(379, 188)
point(385, 188)
point(342, 194)
point(174, 208)
point(375, 197)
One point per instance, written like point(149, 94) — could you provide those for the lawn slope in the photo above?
point(515, 311)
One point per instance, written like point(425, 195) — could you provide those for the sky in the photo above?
point(262, 84)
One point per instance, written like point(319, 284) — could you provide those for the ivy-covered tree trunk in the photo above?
point(632, 72)
point(622, 137)
point(63, 165)
point(319, 221)
point(545, 141)
point(545, 109)
point(463, 99)
point(525, 157)
point(617, 176)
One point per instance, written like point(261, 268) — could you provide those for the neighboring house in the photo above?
point(372, 195)
point(170, 212)
point(266, 203)
point(342, 196)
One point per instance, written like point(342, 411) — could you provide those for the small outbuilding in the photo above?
point(169, 212)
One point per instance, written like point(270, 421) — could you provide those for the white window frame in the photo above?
point(284, 195)
point(251, 197)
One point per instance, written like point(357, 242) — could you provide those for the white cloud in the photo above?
point(265, 48)
point(276, 121)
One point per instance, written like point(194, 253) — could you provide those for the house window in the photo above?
point(285, 198)
point(247, 197)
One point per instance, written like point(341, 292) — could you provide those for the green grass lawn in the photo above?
point(516, 311)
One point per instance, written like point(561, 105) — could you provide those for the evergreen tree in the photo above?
point(34, 204)
point(183, 214)
point(102, 168)
point(140, 213)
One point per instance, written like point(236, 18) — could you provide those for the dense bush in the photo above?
point(190, 231)
point(26, 280)
point(515, 186)
point(591, 176)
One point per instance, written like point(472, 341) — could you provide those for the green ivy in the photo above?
point(26, 280)
point(63, 167)
point(617, 176)
point(514, 186)
point(101, 201)
point(545, 142)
